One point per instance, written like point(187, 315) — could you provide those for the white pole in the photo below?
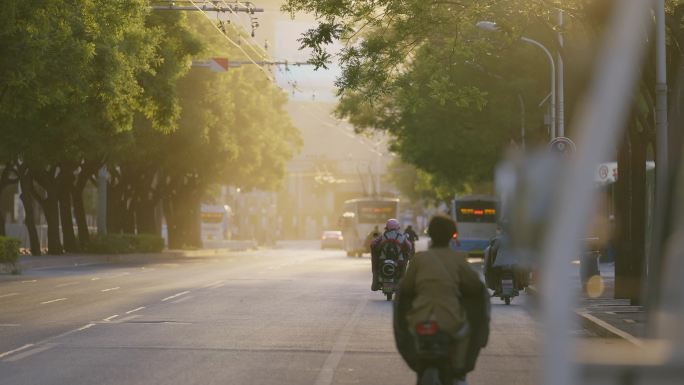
point(599, 123)
point(553, 82)
point(561, 82)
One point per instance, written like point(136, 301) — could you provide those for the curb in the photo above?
point(56, 262)
point(597, 326)
point(604, 329)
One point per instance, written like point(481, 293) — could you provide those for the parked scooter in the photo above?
point(389, 277)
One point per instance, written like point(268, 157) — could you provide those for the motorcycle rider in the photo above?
point(370, 237)
point(439, 285)
point(411, 235)
point(391, 239)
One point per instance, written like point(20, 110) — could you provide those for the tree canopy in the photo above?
point(96, 83)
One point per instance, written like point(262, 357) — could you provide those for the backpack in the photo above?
point(391, 248)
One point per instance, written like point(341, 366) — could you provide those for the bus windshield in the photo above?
point(476, 212)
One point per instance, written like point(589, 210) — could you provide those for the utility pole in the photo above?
point(561, 86)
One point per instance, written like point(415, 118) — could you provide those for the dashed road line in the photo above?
point(213, 284)
point(53, 301)
point(125, 319)
point(84, 327)
point(67, 284)
point(175, 296)
point(5, 354)
point(94, 278)
point(8, 295)
point(31, 352)
point(217, 286)
point(30, 281)
point(110, 289)
point(110, 318)
point(136, 309)
point(182, 299)
point(9, 325)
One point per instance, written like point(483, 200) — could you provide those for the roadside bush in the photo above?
point(125, 244)
point(9, 252)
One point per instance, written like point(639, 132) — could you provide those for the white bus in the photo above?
point(215, 221)
point(361, 216)
point(476, 222)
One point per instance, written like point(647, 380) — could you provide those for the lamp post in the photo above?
point(491, 26)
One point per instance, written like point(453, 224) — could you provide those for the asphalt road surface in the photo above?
point(294, 315)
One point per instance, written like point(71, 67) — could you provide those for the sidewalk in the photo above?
point(27, 262)
point(606, 316)
point(610, 317)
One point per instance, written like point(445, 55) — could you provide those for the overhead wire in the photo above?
point(267, 73)
point(264, 54)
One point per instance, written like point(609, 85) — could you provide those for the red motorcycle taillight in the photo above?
point(427, 328)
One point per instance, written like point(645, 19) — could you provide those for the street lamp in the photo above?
point(491, 26)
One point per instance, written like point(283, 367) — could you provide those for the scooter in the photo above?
point(433, 350)
point(507, 287)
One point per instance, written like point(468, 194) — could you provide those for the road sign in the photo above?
point(217, 64)
point(562, 146)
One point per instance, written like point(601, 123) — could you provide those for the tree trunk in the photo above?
point(146, 218)
point(50, 204)
point(65, 186)
point(29, 218)
point(182, 212)
point(630, 218)
point(172, 228)
point(115, 208)
point(88, 169)
point(80, 215)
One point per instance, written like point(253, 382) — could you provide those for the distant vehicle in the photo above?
point(215, 222)
point(360, 217)
point(476, 221)
point(332, 239)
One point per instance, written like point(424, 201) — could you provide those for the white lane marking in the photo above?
point(5, 354)
point(67, 284)
point(8, 295)
point(94, 278)
point(182, 299)
point(84, 327)
point(175, 296)
point(136, 309)
point(30, 281)
point(31, 352)
point(53, 300)
point(213, 283)
point(325, 376)
point(130, 317)
point(217, 286)
point(9, 325)
point(119, 275)
point(110, 289)
point(110, 318)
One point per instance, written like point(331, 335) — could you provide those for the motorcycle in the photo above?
point(389, 277)
point(433, 351)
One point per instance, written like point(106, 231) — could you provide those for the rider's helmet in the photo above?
point(392, 224)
